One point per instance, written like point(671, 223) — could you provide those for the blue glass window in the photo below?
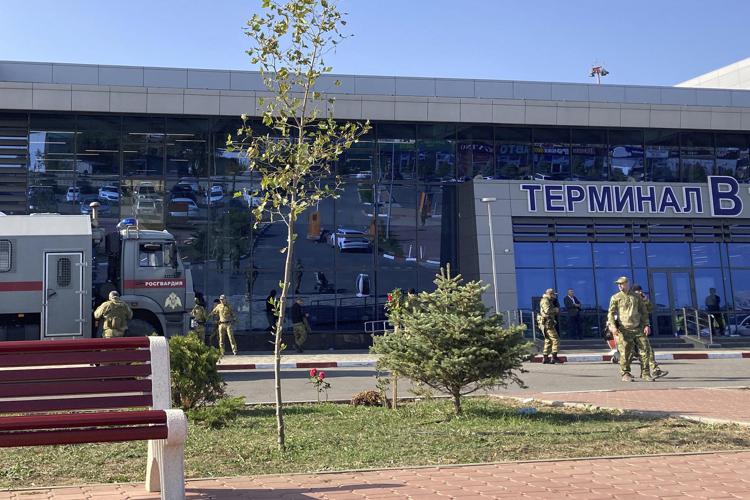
point(705, 280)
point(739, 255)
point(532, 283)
point(741, 284)
point(611, 255)
point(533, 254)
point(638, 251)
point(580, 280)
point(573, 255)
point(640, 277)
point(668, 255)
point(705, 255)
point(605, 284)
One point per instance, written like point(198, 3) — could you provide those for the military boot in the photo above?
point(545, 359)
point(555, 359)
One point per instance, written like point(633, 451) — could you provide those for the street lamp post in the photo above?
point(489, 202)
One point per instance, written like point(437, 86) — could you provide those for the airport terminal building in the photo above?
point(584, 183)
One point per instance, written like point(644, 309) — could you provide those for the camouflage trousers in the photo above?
point(226, 328)
point(200, 331)
point(300, 333)
point(652, 365)
point(628, 339)
point(551, 338)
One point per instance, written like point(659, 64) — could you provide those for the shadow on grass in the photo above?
point(552, 416)
point(472, 410)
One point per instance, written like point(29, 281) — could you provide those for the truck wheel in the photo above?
point(141, 328)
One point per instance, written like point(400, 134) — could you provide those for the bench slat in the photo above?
point(93, 403)
point(42, 438)
point(73, 373)
point(98, 419)
point(72, 387)
point(73, 345)
point(72, 358)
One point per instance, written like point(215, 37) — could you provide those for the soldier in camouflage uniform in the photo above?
point(628, 321)
point(200, 316)
point(225, 314)
point(656, 372)
point(547, 323)
point(116, 314)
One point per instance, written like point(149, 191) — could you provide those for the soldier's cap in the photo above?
point(222, 297)
point(621, 280)
point(113, 294)
point(550, 291)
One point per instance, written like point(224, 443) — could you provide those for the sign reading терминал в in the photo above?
point(721, 196)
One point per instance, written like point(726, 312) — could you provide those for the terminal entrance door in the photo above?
point(671, 289)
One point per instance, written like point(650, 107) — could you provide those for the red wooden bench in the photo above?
point(95, 391)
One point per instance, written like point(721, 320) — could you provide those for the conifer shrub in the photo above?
point(195, 376)
point(448, 340)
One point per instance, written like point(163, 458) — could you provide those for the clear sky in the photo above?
point(650, 42)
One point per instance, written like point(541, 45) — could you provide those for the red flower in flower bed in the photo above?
point(318, 380)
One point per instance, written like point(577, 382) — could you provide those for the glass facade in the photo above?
point(674, 275)
point(395, 222)
point(393, 225)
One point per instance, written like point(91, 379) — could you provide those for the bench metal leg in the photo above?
point(165, 469)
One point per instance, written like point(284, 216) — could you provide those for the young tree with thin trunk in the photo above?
point(294, 157)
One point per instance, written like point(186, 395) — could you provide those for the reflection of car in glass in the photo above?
point(109, 193)
point(145, 190)
point(740, 328)
point(215, 195)
point(183, 191)
point(250, 200)
point(349, 239)
point(183, 208)
point(105, 209)
point(147, 210)
point(191, 183)
point(72, 194)
point(346, 243)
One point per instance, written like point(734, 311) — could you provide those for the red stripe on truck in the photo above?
point(20, 286)
point(162, 283)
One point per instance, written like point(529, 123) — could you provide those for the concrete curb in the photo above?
point(592, 358)
point(303, 364)
point(566, 358)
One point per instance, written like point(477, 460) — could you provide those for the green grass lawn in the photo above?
point(329, 437)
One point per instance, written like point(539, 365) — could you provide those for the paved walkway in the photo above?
point(708, 405)
point(361, 358)
point(704, 476)
point(696, 476)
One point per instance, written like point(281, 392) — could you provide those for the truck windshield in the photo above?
point(156, 254)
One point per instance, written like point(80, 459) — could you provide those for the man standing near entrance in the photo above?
point(573, 308)
point(628, 322)
point(547, 323)
point(713, 306)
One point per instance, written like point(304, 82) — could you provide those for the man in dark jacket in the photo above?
point(573, 309)
point(300, 324)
